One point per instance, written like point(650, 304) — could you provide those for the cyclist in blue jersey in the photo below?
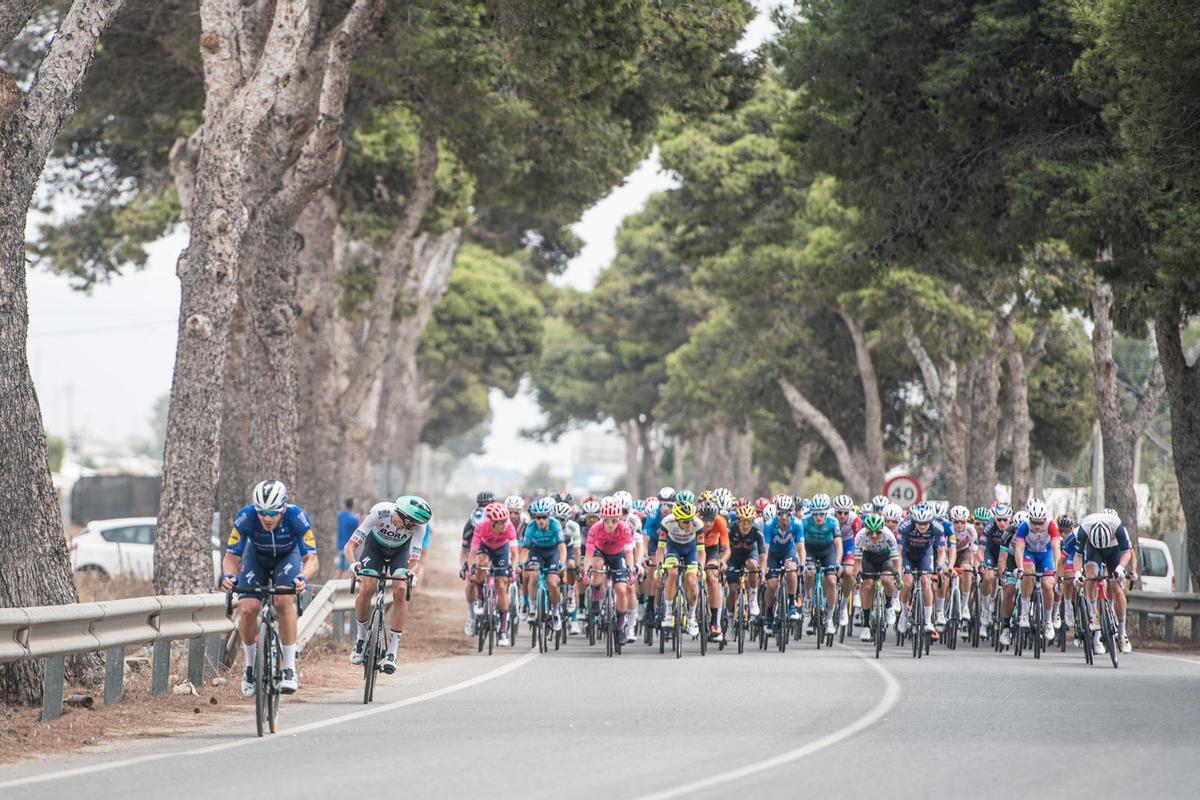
point(1105, 544)
point(1036, 544)
point(918, 541)
point(1066, 569)
point(270, 540)
point(542, 544)
point(651, 530)
point(823, 543)
point(784, 535)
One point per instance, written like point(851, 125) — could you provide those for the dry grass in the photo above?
point(93, 588)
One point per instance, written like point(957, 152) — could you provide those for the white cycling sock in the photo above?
point(470, 610)
point(362, 629)
point(289, 656)
point(964, 599)
point(1069, 609)
point(1121, 625)
point(394, 642)
point(251, 652)
point(928, 614)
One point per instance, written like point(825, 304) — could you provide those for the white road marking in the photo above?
point(1192, 661)
point(250, 740)
point(886, 703)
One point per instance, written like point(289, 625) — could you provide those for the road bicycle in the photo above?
point(916, 616)
point(1107, 616)
point(741, 621)
point(541, 621)
point(376, 647)
point(487, 617)
point(674, 623)
point(818, 606)
point(268, 662)
point(878, 608)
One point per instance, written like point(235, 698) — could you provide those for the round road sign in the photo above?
point(903, 490)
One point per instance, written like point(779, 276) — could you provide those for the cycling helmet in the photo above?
point(706, 496)
point(873, 523)
point(515, 503)
point(724, 497)
point(666, 494)
point(708, 510)
point(685, 496)
point(1101, 536)
point(652, 505)
point(611, 509)
point(563, 497)
point(959, 514)
point(784, 502)
point(940, 508)
point(591, 507)
point(820, 503)
point(1066, 523)
point(684, 511)
point(879, 503)
point(562, 509)
point(921, 513)
point(624, 499)
point(542, 507)
point(893, 512)
point(1037, 511)
point(496, 513)
point(769, 511)
point(761, 503)
point(982, 514)
point(484, 498)
point(1001, 511)
point(804, 504)
point(843, 502)
point(747, 512)
point(270, 495)
point(414, 509)
point(639, 505)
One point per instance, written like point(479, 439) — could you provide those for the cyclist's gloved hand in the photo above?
point(1018, 572)
point(229, 582)
point(1079, 580)
point(1119, 572)
point(462, 572)
point(300, 583)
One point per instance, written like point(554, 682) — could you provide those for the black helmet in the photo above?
point(484, 498)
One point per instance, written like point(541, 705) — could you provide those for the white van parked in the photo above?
point(1155, 565)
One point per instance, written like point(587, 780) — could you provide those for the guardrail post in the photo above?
point(1143, 625)
point(1169, 627)
point(114, 675)
point(214, 650)
point(52, 688)
point(1195, 629)
point(196, 661)
point(339, 624)
point(160, 669)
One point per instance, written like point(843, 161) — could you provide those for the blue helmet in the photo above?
point(542, 507)
point(820, 503)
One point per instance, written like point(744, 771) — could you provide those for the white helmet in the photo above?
point(724, 498)
point(652, 505)
point(843, 502)
point(893, 512)
point(921, 513)
point(624, 499)
point(784, 502)
point(1037, 511)
point(1101, 536)
point(940, 507)
point(270, 495)
point(879, 502)
point(769, 511)
point(820, 503)
point(960, 514)
point(515, 503)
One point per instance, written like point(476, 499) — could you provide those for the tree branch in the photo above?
point(825, 429)
point(14, 15)
point(929, 372)
point(1152, 393)
point(51, 98)
point(1037, 348)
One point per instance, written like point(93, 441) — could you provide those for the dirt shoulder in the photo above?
point(434, 631)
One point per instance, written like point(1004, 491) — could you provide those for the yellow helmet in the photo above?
point(747, 512)
point(684, 512)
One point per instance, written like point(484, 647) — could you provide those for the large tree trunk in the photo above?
point(981, 463)
point(800, 468)
point(1183, 385)
point(942, 388)
point(1120, 435)
point(683, 446)
point(872, 404)
point(648, 479)
point(854, 480)
point(33, 551)
point(1020, 367)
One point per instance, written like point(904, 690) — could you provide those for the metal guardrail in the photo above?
point(55, 632)
point(1169, 605)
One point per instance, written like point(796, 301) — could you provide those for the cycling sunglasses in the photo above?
point(274, 513)
point(541, 516)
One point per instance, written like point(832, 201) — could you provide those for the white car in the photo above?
point(122, 547)
point(1155, 565)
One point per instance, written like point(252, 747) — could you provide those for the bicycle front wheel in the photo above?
point(262, 679)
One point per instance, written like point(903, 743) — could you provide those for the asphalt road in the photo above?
point(643, 725)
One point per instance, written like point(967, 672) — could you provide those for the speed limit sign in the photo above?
point(903, 490)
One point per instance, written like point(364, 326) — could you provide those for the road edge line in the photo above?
point(891, 696)
point(308, 726)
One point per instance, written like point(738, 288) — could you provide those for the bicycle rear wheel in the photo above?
point(272, 683)
point(879, 620)
point(1108, 626)
point(262, 680)
point(1036, 622)
point(916, 624)
point(974, 605)
point(371, 657)
point(679, 609)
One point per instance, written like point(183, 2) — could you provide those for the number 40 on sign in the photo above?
point(903, 490)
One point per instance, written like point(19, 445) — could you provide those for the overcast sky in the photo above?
point(100, 360)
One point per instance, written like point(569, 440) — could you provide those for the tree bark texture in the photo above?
point(801, 467)
point(872, 404)
point(942, 389)
point(33, 551)
point(854, 480)
point(1120, 434)
point(1183, 385)
point(216, 171)
point(1020, 367)
point(649, 477)
point(982, 435)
